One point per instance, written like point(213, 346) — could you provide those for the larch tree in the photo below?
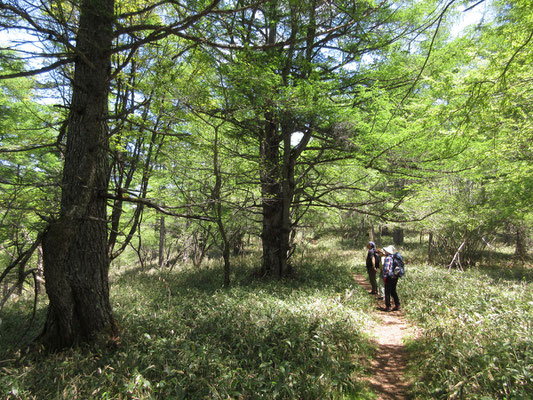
point(76, 260)
point(304, 70)
point(75, 242)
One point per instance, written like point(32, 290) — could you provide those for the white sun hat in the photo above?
point(389, 249)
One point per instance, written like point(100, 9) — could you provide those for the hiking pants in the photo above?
point(390, 290)
point(372, 279)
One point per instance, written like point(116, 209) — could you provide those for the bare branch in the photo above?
point(29, 148)
point(24, 257)
point(150, 204)
point(34, 72)
point(515, 54)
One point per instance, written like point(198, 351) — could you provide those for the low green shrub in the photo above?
point(477, 334)
point(184, 337)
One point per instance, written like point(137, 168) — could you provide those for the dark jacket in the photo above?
point(372, 253)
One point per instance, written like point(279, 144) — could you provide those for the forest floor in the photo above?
point(387, 369)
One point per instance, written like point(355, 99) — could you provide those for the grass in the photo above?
point(184, 337)
point(477, 334)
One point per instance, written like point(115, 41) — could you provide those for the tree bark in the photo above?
point(274, 261)
point(75, 256)
point(277, 170)
point(521, 241)
point(162, 239)
point(430, 247)
point(397, 235)
point(272, 201)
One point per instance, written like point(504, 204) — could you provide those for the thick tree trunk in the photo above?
point(274, 259)
point(278, 193)
point(271, 190)
point(76, 261)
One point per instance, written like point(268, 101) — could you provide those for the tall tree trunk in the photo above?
point(272, 201)
point(76, 261)
point(274, 261)
point(277, 171)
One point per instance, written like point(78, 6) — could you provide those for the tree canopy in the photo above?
point(181, 129)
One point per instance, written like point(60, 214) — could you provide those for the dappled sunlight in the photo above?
point(311, 335)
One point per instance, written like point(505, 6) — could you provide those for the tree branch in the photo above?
point(150, 204)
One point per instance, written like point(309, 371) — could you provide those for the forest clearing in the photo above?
point(187, 188)
point(312, 336)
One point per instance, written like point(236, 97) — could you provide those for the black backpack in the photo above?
point(377, 257)
point(397, 264)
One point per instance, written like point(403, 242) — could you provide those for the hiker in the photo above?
point(373, 261)
point(390, 280)
point(381, 284)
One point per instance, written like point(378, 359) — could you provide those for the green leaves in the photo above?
point(477, 334)
point(29, 160)
point(185, 337)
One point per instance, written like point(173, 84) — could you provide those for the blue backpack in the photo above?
point(397, 265)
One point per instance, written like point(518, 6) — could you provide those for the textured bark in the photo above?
point(76, 261)
point(278, 187)
point(272, 201)
point(521, 241)
point(397, 236)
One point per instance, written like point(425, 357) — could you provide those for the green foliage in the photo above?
point(184, 337)
point(29, 165)
point(457, 137)
point(477, 333)
point(472, 106)
point(304, 337)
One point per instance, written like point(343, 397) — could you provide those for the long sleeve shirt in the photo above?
point(371, 259)
point(388, 267)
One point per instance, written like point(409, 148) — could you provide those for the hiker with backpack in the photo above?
point(373, 262)
point(393, 269)
point(381, 284)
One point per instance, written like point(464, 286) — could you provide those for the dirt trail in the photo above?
point(387, 369)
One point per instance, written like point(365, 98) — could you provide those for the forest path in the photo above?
point(386, 376)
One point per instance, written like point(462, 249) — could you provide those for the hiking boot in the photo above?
point(387, 309)
point(397, 308)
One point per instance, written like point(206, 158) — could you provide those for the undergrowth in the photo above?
point(477, 331)
point(184, 337)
